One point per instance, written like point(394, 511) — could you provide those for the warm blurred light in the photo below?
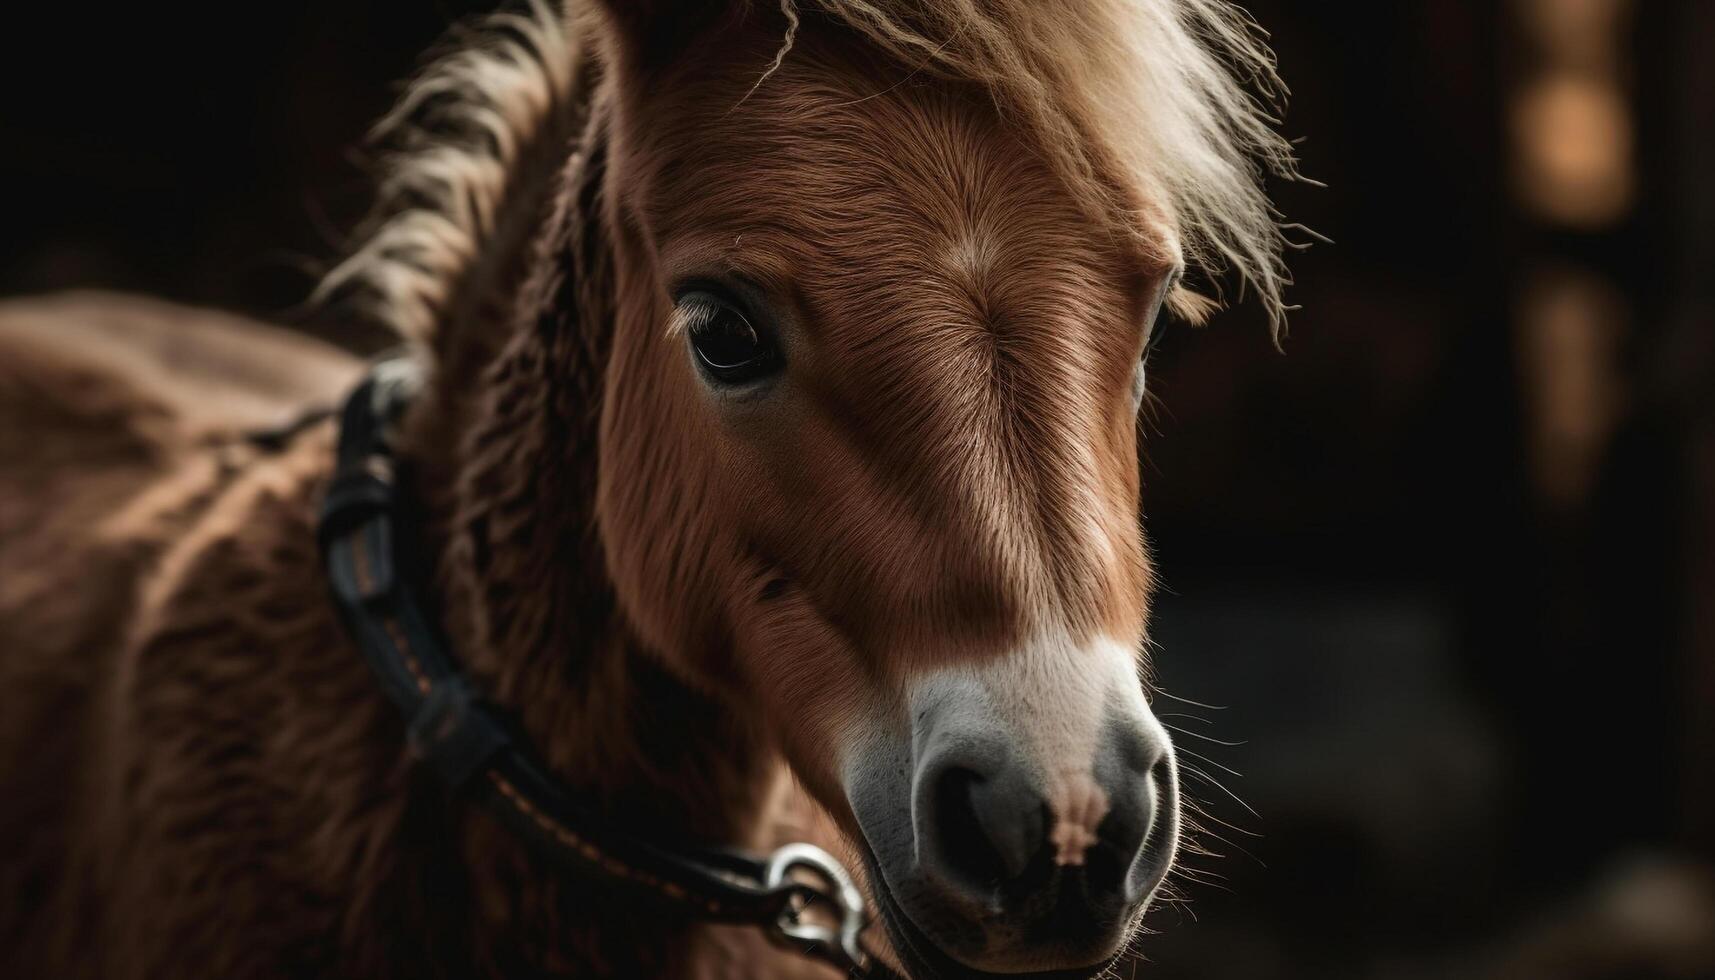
point(1570, 327)
point(1650, 917)
point(1571, 125)
point(1573, 150)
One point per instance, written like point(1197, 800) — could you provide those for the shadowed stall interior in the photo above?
point(1435, 617)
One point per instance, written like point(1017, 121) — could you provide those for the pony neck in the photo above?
point(508, 472)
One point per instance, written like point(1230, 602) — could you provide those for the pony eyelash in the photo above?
point(1191, 307)
point(690, 312)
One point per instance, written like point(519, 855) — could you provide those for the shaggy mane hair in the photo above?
point(1170, 93)
point(461, 135)
point(1156, 111)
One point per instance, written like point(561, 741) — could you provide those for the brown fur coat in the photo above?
point(198, 776)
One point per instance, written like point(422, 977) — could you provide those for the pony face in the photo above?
point(869, 470)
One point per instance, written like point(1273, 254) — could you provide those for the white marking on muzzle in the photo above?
point(1078, 805)
point(1054, 697)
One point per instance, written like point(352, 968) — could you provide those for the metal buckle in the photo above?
point(834, 944)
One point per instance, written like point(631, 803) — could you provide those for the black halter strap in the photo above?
point(800, 895)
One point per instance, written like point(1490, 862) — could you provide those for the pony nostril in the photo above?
point(989, 829)
point(964, 846)
point(1160, 842)
point(1126, 831)
point(1118, 842)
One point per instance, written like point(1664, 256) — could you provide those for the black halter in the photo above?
point(799, 895)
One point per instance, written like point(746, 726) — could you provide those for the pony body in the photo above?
point(891, 597)
point(199, 772)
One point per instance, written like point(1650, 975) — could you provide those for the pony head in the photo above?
point(887, 276)
point(883, 273)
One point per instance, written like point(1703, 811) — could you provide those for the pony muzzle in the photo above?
point(1025, 819)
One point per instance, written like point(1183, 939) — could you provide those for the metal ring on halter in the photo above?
point(838, 946)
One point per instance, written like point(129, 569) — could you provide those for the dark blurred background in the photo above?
point(1439, 579)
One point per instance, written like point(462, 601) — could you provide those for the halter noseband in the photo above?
point(800, 895)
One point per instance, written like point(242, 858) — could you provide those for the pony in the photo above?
point(774, 458)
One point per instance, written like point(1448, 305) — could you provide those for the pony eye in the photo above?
point(727, 347)
point(1157, 330)
point(1151, 340)
point(1156, 324)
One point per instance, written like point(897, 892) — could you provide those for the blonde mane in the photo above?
point(1155, 109)
point(1171, 93)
